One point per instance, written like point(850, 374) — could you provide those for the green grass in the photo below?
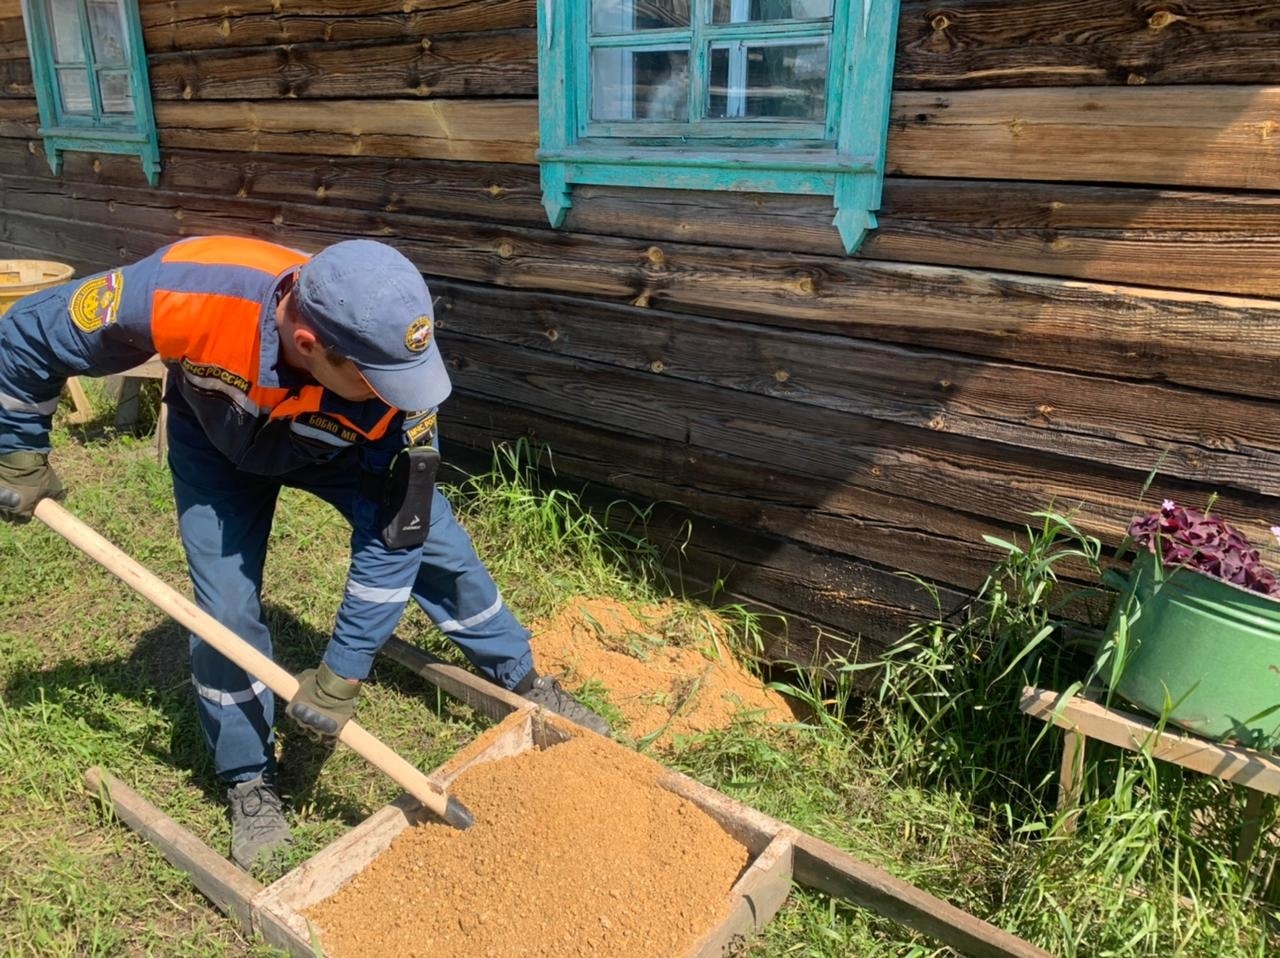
point(921, 765)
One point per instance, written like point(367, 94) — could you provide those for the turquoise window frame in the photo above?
point(841, 157)
point(95, 130)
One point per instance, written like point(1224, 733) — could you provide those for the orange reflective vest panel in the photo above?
point(212, 315)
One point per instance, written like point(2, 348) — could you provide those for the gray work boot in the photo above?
point(545, 691)
point(257, 820)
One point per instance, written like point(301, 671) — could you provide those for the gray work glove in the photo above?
point(325, 702)
point(25, 479)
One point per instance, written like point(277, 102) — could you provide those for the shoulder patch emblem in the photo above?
point(418, 336)
point(419, 431)
point(95, 304)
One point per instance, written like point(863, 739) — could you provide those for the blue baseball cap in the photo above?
point(367, 302)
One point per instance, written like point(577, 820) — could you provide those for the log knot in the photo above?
point(1163, 18)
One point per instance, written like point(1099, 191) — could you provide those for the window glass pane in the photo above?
point(750, 11)
point(73, 87)
point(64, 21)
point(106, 23)
point(640, 84)
point(768, 79)
point(623, 16)
point(116, 94)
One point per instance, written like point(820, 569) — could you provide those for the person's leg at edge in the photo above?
point(224, 517)
point(455, 590)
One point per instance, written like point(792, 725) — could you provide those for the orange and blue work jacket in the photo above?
point(207, 306)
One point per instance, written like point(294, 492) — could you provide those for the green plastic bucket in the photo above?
point(1210, 647)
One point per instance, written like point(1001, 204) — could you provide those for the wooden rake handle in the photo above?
point(240, 652)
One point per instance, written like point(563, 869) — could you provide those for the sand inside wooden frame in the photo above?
point(576, 851)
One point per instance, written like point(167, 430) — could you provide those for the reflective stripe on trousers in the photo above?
point(224, 516)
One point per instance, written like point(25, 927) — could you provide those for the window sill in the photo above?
point(852, 181)
point(102, 140)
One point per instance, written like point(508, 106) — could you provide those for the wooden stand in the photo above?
point(1082, 719)
point(780, 855)
point(127, 389)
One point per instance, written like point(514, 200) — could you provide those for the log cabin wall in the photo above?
point(1074, 280)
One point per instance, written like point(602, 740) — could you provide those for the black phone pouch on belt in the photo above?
point(406, 497)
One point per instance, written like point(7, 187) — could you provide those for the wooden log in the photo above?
point(848, 519)
point(19, 119)
point(1165, 238)
point(483, 696)
point(833, 872)
point(15, 77)
point(1174, 239)
point(477, 64)
point(830, 448)
point(1215, 242)
point(500, 192)
point(487, 130)
point(183, 25)
point(230, 889)
point(993, 43)
point(1129, 332)
point(1198, 136)
point(1133, 426)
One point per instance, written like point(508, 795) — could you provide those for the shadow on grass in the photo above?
point(164, 730)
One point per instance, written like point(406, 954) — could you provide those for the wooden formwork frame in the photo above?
point(779, 854)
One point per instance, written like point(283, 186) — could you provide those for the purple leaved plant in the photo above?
point(1187, 537)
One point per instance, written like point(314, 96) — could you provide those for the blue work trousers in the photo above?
point(224, 516)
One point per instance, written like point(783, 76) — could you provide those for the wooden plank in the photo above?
point(1231, 763)
point(748, 826)
point(200, 25)
point(994, 43)
point(483, 696)
point(494, 63)
point(325, 872)
point(833, 872)
point(15, 77)
point(1071, 777)
point(1250, 825)
point(757, 896)
point(486, 130)
point(83, 405)
point(230, 889)
point(1227, 242)
point(1219, 136)
point(512, 736)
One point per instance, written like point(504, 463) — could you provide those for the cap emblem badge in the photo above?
point(418, 336)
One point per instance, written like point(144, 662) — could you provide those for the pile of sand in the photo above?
point(659, 688)
point(576, 852)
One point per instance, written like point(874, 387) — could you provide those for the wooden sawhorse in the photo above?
point(1082, 719)
point(127, 402)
